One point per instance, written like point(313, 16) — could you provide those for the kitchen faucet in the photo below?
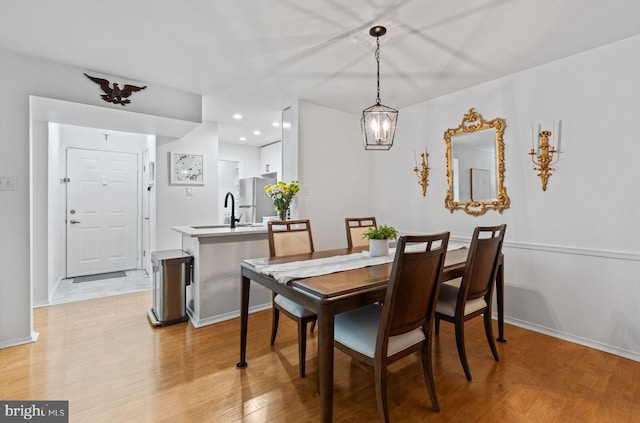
point(233, 209)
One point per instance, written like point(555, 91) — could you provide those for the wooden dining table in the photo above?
point(330, 294)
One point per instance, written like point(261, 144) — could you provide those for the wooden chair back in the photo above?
point(355, 227)
point(482, 263)
point(414, 285)
point(289, 237)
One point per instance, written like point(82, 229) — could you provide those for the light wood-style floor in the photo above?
point(104, 357)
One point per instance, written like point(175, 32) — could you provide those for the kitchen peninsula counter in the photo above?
point(218, 250)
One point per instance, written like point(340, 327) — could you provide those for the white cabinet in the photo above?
point(271, 159)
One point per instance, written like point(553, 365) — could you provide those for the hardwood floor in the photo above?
point(104, 357)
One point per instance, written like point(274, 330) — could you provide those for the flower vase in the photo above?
point(282, 214)
point(378, 247)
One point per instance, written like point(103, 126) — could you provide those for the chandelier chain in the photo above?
point(378, 64)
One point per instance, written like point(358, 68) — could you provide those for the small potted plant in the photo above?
point(379, 239)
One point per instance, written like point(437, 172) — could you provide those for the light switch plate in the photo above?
point(7, 183)
point(189, 191)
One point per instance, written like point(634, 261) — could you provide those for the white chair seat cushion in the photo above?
point(292, 307)
point(358, 330)
point(449, 296)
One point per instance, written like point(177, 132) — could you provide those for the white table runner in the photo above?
point(286, 272)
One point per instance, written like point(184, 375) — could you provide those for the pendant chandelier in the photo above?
point(378, 122)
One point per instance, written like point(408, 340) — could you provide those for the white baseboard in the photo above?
point(52, 292)
point(631, 355)
point(198, 323)
point(41, 304)
point(14, 343)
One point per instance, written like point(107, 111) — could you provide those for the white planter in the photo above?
point(378, 247)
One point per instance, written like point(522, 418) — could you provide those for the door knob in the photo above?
point(73, 222)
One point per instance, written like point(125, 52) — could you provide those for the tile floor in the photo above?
point(67, 291)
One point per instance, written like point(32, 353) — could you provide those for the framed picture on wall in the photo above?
point(186, 169)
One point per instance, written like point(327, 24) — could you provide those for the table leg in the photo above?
point(325, 361)
point(244, 320)
point(500, 301)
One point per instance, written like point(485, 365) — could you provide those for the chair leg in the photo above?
point(436, 325)
point(488, 329)
point(313, 325)
point(302, 346)
point(380, 375)
point(427, 371)
point(461, 349)
point(275, 317)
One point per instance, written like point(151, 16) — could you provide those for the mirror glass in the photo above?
point(475, 165)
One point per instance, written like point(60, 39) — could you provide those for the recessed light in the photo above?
point(237, 116)
point(275, 124)
point(256, 132)
point(243, 138)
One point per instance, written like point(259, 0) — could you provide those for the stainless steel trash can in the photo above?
point(172, 272)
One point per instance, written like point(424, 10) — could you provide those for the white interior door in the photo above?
point(102, 211)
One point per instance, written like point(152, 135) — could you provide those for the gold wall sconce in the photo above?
point(544, 158)
point(423, 172)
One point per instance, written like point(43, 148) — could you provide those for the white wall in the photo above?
point(56, 214)
point(228, 182)
point(335, 173)
point(572, 252)
point(290, 142)
point(20, 77)
point(174, 206)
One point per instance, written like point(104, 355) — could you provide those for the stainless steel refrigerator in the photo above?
point(253, 204)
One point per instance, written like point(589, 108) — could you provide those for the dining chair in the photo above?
point(355, 227)
point(288, 238)
point(378, 335)
point(463, 299)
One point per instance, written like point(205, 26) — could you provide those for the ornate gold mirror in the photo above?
point(475, 165)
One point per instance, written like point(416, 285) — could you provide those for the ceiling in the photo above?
point(256, 57)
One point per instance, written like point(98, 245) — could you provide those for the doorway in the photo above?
point(97, 218)
point(47, 171)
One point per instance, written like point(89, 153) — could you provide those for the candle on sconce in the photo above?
point(415, 157)
point(532, 140)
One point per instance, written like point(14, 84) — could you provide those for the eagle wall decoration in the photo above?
point(115, 94)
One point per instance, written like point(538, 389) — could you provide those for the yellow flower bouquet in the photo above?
point(282, 194)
